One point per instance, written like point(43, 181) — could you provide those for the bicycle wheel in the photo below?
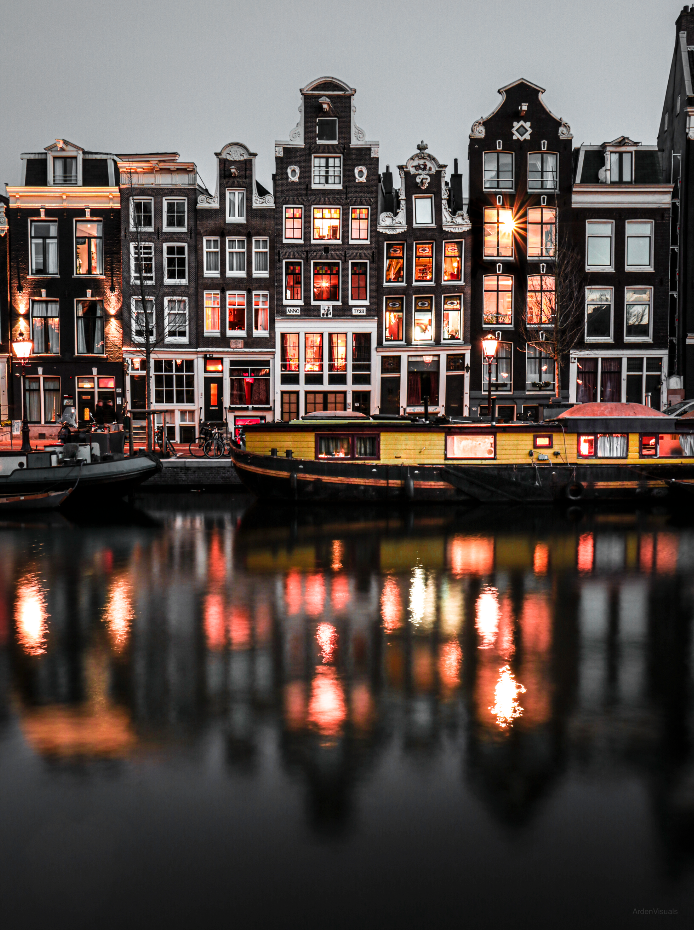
point(197, 448)
point(214, 448)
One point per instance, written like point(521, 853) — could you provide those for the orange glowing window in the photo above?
point(586, 446)
point(106, 383)
point(542, 442)
point(213, 395)
point(649, 445)
point(213, 364)
point(452, 261)
point(331, 447)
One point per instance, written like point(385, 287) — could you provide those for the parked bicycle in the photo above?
point(197, 446)
point(164, 443)
point(216, 444)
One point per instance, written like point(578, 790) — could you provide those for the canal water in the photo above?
point(217, 714)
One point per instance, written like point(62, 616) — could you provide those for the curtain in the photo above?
point(611, 380)
point(687, 443)
point(586, 381)
point(414, 388)
point(612, 446)
point(261, 391)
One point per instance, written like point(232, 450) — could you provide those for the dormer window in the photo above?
point(326, 129)
point(64, 170)
point(621, 167)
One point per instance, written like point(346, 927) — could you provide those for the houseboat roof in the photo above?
point(611, 410)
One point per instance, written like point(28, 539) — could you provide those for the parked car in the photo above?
point(681, 409)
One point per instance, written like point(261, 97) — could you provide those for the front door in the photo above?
point(138, 396)
point(214, 406)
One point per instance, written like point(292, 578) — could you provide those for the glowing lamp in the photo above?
point(489, 345)
point(22, 347)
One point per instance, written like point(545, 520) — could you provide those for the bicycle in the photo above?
point(164, 443)
point(197, 446)
point(214, 447)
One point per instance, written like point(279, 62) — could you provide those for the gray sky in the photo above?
point(168, 75)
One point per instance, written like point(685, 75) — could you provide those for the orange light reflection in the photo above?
point(391, 605)
point(31, 616)
point(326, 709)
point(119, 614)
point(507, 707)
point(487, 616)
point(326, 636)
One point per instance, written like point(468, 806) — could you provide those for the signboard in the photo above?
point(326, 310)
point(293, 311)
point(16, 427)
point(240, 422)
point(358, 311)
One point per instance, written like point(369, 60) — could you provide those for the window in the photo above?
point(470, 447)
point(542, 171)
point(337, 353)
point(293, 290)
point(174, 381)
point(211, 250)
point(637, 322)
point(89, 247)
point(261, 313)
point(542, 232)
point(423, 262)
point(313, 359)
point(424, 211)
point(639, 246)
point(423, 330)
point(249, 386)
point(44, 247)
point(326, 129)
point(607, 446)
point(327, 171)
point(359, 282)
point(621, 167)
point(236, 312)
point(290, 352)
point(64, 170)
point(326, 223)
point(644, 380)
point(543, 442)
point(331, 447)
point(452, 261)
point(142, 261)
point(142, 213)
point(541, 300)
point(90, 327)
point(32, 399)
point(293, 223)
point(290, 405)
point(261, 258)
point(142, 318)
point(675, 444)
point(51, 400)
point(212, 313)
point(498, 300)
point(361, 358)
point(452, 319)
point(45, 327)
point(174, 214)
point(176, 319)
point(359, 224)
point(325, 400)
point(175, 264)
point(599, 245)
point(236, 206)
point(498, 233)
point(587, 380)
point(599, 313)
point(213, 365)
point(395, 263)
point(393, 323)
point(326, 282)
point(498, 171)
point(501, 369)
point(236, 257)
point(539, 369)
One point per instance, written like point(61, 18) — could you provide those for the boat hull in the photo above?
point(90, 481)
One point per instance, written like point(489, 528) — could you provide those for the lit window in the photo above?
point(212, 312)
point(174, 214)
point(327, 171)
point(64, 171)
point(292, 281)
point(236, 257)
point(142, 262)
point(424, 211)
point(174, 381)
point(236, 312)
point(290, 352)
point(326, 282)
point(142, 214)
point(498, 233)
point(326, 129)
point(337, 353)
point(326, 223)
point(392, 329)
point(637, 324)
point(470, 447)
point(261, 258)
point(45, 327)
point(539, 371)
point(498, 300)
point(423, 330)
point(313, 359)
point(261, 313)
point(44, 247)
point(639, 245)
point(293, 223)
point(498, 171)
point(359, 282)
point(211, 250)
point(175, 264)
point(359, 224)
point(501, 369)
point(542, 171)
point(542, 232)
point(452, 319)
point(89, 247)
point(395, 263)
point(541, 299)
point(423, 262)
point(621, 167)
point(599, 313)
point(599, 245)
point(90, 327)
point(453, 261)
point(361, 358)
point(236, 206)
point(142, 320)
point(176, 319)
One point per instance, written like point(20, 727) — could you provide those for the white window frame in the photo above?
point(256, 251)
point(314, 185)
point(536, 390)
point(333, 119)
point(430, 198)
point(30, 322)
point(42, 274)
point(641, 339)
point(497, 325)
point(627, 266)
point(134, 303)
point(292, 206)
point(403, 283)
point(233, 191)
point(211, 332)
point(599, 339)
point(444, 298)
point(542, 186)
point(175, 245)
point(92, 219)
point(261, 333)
point(229, 272)
point(486, 372)
point(431, 283)
point(461, 243)
point(424, 342)
point(293, 261)
point(326, 261)
point(134, 200)
point(394, 342)
point(134, 277)
point(180, 340)
point(237, 333)
point(496, 187)
point(360, 303)
point(327, 206)
point(610, 223)
point(183, 228)
point(206, 250)
point(368, 224)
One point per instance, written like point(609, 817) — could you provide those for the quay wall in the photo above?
point(193, 473)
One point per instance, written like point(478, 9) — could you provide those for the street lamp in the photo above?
point(22, 349)
point(489, 346)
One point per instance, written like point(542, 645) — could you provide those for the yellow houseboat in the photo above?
point(590, 452)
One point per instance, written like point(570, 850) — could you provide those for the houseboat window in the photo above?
point(470, 447)
point(423, 262)
point(608, 446)
point(452, 318)
point(395, 263)
point(649, 445)
point(586, 446)
point(453, 261)
point(542, 442)
point(393, 321)
point(366, 447)
point(334, 447)
point(675, 444)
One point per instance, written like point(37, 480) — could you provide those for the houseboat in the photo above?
point(590, 452)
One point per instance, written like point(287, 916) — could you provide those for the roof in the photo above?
point(611, 410)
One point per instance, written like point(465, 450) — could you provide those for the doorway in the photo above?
point(138, 396)
point(214, 403)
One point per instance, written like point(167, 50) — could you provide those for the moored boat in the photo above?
point(591, 452)
point(48, 500)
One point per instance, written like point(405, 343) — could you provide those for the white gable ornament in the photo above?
point(360, 174)
point(293, 172)
point(521, 130)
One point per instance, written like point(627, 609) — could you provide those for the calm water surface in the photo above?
point(216, 715)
